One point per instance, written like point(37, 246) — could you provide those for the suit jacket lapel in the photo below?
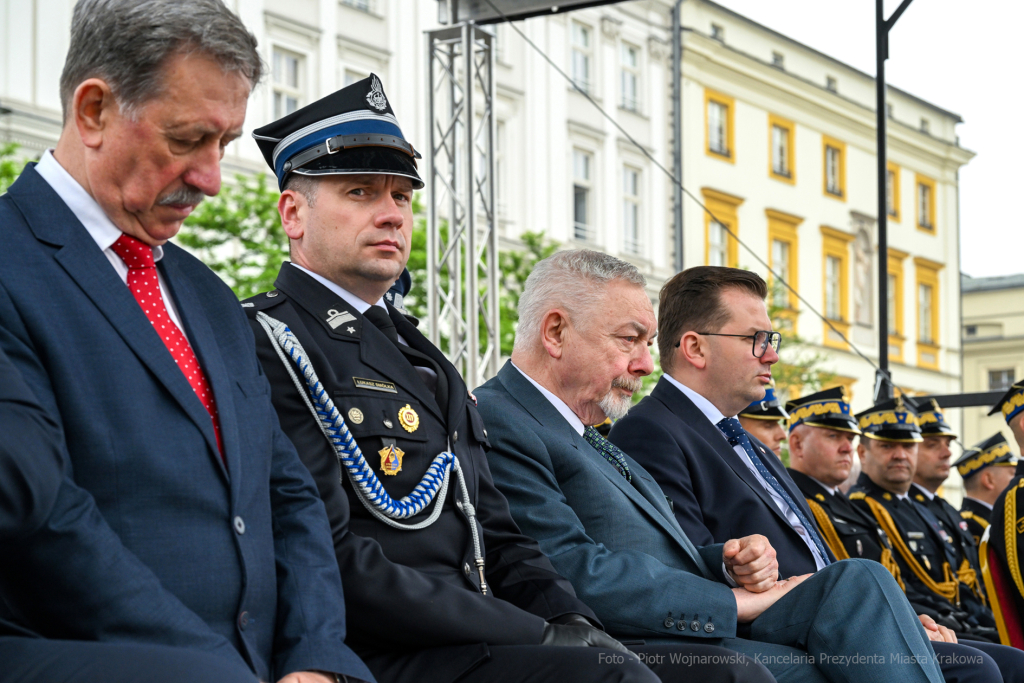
point(640, 494)
point(420, 343)
point(691, 416)
point(54, 223)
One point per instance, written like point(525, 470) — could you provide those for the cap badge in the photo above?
point(376, 95)
point(408, 418)
point(391, 459)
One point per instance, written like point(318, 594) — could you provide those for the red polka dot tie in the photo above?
point(144, 285)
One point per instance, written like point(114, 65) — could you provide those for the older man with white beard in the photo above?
point(585, 326)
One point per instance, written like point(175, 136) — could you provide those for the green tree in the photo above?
point(11, 165)
point(238, 234)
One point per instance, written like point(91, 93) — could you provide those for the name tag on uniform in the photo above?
point(375, 385)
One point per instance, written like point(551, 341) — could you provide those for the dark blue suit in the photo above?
point(152, 538)
point(714, 494)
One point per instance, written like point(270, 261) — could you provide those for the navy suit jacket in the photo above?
point(152, 538)
point(615, 541)
point(715, 496)
point(31, 467)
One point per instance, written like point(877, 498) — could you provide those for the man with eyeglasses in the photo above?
point(717, 349)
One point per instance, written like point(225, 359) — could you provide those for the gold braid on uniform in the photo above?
point(835, 544)
point(967, 576)
point(949, 589)
point(980, 521)
point(889, 562)
point(1009, 530)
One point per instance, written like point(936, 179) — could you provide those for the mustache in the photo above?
point(633, 384)
point(183, 195)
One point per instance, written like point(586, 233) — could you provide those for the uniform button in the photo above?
point(466, 569)
point(485, 433)
point(239, 525)
point(243, 620)
point(388, 423)
point(271, 294)
point(458, 504)
point(455, 437)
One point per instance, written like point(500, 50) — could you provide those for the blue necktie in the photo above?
point(609, 450)
point(733, 431)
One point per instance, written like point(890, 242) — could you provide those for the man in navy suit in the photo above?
point(581, 349)
point(185, 520)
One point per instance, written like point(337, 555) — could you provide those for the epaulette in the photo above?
point(857, 495)
point(262, 302)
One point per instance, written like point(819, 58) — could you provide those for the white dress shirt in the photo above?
point(100, 227)
point(564, 410)
point(715, 416)
point(979, 502)
point(924, 491)
point(831, 489)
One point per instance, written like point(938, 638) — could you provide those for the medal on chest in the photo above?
point(391, 459)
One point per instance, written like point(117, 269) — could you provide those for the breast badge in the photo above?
point(408, 418)
point(391, 459)
point(355, 416)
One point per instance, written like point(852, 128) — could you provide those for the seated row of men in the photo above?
point(195, 493)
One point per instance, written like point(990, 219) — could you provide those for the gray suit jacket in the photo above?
point(613, 540)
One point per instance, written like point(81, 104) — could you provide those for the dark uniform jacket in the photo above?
point(964, 553)
point(1008, 519)
point(926, 567)
point(845, 525)
point(406, 589)
point(977, 515)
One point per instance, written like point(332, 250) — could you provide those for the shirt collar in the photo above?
point(350, 298)
point(572, 418)
point(979, 502)
point(707, 407)
point(86, 209)
point(830, 489)
point(902, 496)
point(925, 491)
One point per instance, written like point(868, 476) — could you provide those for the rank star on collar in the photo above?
point(350, 330)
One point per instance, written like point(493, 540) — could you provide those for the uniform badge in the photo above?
point(920, 498)
point(927, 564)
point(376, 97)
point(391, 459)
point(355, 416)
point(887, 496)
point(1020, 525)
point(408, 418)
point(860, 548)
point(336, 319)
point(819, 497)
point(963, 525)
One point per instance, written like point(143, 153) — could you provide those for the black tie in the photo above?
point(379, 317)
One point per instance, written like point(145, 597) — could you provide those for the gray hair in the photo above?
point(127, 42)
point(571, 280)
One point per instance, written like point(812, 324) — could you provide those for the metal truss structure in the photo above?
point(462, 236)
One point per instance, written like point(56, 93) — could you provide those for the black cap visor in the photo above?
point(364, 161)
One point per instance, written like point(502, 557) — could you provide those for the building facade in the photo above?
point(993, 340)
point(778, 143)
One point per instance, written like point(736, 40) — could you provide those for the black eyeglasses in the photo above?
point(762, 340)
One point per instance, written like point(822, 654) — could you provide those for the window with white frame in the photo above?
point(924, 205)
point(925, 331)
point(833, 179)
point(833, 288)
point(890, 192)
point(364, 5)
point(630, 77)
point(780, 150)
point(718, 252)
point(582, 172)
point(1000, 380)
point(780, 264)
point(582, 54)
point(289, 77)
point(631, 210)
point(717, 127)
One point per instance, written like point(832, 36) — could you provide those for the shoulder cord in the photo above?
point(839, 550)
point(365, 483)
point(949, 589)
point(1010, 536)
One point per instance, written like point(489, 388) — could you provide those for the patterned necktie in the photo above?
point(733, 431)
point(144, 285)
point(609, 450)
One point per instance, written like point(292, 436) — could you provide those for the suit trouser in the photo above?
point(855, 622)
point(36, 660)
point(680, 663)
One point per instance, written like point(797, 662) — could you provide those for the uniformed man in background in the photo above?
point(888, 451)
point(766, 420)
point(1007, 530)
point(821, 454)
point(987, 469)
point(439, 582)
point(933, 465)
